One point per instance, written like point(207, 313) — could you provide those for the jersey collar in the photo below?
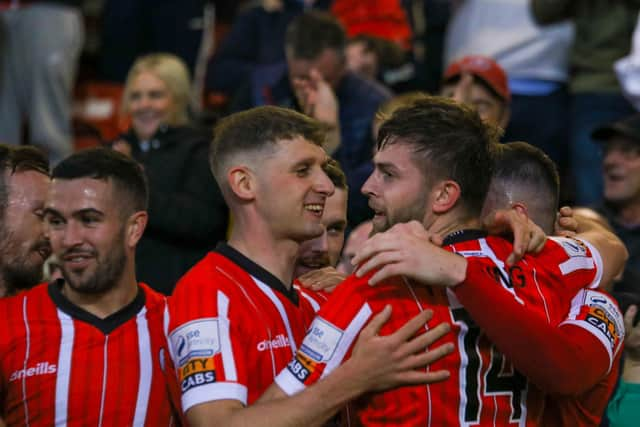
point(257, 271)
point(463, 236)
point(106, 325)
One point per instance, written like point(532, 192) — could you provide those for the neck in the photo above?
point(277, 256)
point(4, 291)
point(105, 304)
point(450, 223)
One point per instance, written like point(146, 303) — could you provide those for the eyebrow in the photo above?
point(52, 211)
point(386, 166)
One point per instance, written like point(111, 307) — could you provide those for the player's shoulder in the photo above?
point(353, 285)
point(37, 294)
point(214, 271)
point(153, 299)
point(494, 247)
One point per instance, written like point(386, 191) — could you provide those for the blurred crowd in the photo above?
point(151, 78)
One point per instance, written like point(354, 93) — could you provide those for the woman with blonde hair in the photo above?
point(187, 214)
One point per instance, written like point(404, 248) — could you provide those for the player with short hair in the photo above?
point(433, 165)
point(525, 178)
point(24, 180)
point(317, 258)
point(236, 320)
point(89, 349)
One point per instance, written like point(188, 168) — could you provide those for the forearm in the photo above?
point(597, 234)
point(311, 407)
point(570, 367)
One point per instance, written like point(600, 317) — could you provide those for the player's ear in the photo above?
point(242, 182)
point(445, 195)
point(136, 224)
point(520, 208)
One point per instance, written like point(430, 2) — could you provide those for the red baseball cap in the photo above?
point(484, 68)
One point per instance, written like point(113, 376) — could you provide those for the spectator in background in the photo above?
point(603, 35)
point(256, 40)
point(620, 142)
point(315, 81)
point(535, 60)
point(187, 215)
point(40, 42)
point(375, 58)
point(480, 82)
point(24, 182)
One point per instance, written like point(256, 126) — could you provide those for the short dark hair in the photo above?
point(105, 164)
point(258, 129)
point(533, 176)
point(312, 32)
point(18, 158)
point(451, 141)
point(336, 174)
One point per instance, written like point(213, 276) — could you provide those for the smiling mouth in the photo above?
point(315, 208)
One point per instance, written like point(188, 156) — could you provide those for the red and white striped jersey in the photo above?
point(484, 389)
point(315, 298)
point(61, 365)
point(233, 327)
point(599, 314)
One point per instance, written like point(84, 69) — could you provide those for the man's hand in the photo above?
point(323, 279)
point(527, 236)
point(409, 250)
point(399, 359)
point(566, 224)
point(317, 98)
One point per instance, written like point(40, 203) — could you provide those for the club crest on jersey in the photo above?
point(194, 346)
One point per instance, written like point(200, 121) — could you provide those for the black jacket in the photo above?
point(187, 215)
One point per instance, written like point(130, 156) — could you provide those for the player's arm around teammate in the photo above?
point(575, 358)
point(377, 363)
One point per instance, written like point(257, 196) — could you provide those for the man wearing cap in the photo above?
point(620, 143)
point(479, 81)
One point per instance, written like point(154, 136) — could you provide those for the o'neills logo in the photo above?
point(41, 368)
point(279, 342)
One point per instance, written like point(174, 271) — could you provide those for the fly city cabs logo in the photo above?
point(194, 346)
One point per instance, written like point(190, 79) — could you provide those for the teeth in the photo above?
point(314, 208)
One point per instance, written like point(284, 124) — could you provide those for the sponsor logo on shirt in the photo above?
point(318, 346)
point(194, 346)
point(280, 341)
point(573, 247)
point(41, 368)
point(603, 314)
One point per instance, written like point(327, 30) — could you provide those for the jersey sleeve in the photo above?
point(574, 359)
point(329, 341)
point(597, 313)
point(205, 351)
point(577, 262)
